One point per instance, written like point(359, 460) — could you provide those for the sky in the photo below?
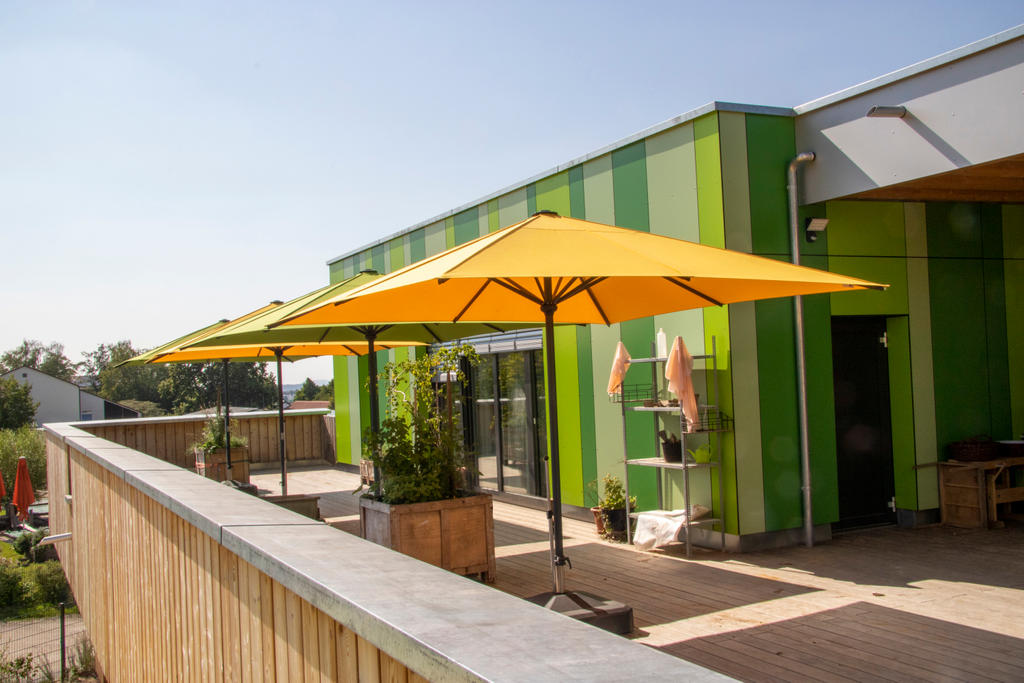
point(166, 165)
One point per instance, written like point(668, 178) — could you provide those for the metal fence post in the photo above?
point(63, 648)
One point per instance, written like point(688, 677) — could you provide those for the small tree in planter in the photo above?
point(211, 452)
point(613, 507)
point(422, 505)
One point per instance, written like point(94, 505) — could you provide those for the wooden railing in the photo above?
point(180, 578)
point(308, 436)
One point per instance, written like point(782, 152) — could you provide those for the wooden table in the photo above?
point(971, 492)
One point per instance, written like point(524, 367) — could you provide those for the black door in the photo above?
point(863, 422)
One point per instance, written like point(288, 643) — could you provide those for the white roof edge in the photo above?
point(647, 132)
point(997, 39)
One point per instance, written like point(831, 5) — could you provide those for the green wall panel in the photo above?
point(570, 451)
point(379, 258)
point(672, 184)
point(629, 187)
point(923, 385)
point(866, 229)
point(493, 221)
point(417, 245)
point(512, 207)
point(577, 196)
point(397, 253)
point(883, 270)
point(707, 154)
point(821, 410)
point(959, 324)
point(746, 407)
point(771, 144)
point(531, 200)
point(553, 194)
point(995, 315)
point(361, 374)
point(342, 419)
point(735, 181)
point(434, 238)
point(449, 233)
point(902, 411)
point(336, 272)
point(355, 415)
point(1013, 281)
point(776, 366)
point(465, 226)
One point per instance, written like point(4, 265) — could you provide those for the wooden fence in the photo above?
point(180, 578)
point(309, 436)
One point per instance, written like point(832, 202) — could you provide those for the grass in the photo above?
point(35, 611)
point(7, 551)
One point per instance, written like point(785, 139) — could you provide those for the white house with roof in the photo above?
point(61, 401)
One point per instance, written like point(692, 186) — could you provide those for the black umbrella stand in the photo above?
point(278, 353)
point(609, 615)
point(227, 420)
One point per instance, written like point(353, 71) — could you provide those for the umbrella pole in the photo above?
point(227, 420)
point(371, 361)
point(558, 558)
point(280, 423)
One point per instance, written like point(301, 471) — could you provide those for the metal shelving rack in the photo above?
point(713, 420)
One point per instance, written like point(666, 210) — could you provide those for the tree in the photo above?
point(308, 391)
point(125, 383)
point(17, 408)
point(33, 354)
point(192, 386)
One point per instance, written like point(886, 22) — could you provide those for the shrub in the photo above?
point(27, 545)
point(15, 669)
point(83, 659)
point(17, 408)
point(27, 442)
point(52, 586)
point(13, 591)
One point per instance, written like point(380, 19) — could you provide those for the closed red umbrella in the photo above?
point(3, 489)
point(23, 493)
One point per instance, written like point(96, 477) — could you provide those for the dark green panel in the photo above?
point(995, 318)
point(377, 258)
point(959, 327)
point(821, 413)
point(629, 178)
point(337, 272)
point(364, 395)
point(771, 144)
point(954, 231)
point(577, 200)
point(531, 199)
point(467, 226)
point(417, 245)
point(780, 447)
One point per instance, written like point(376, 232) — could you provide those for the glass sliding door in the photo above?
point(510, 441)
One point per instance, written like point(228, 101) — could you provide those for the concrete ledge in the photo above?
point(195, 418)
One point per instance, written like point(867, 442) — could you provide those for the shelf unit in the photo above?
point(712, 420)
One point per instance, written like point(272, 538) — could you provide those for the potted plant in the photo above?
point(613, 506)
point(211, 452)
point(423, 503)
point(671, 447)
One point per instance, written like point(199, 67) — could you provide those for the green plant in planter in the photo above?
point(418, 450)
point(213, 435)
point(613, 506)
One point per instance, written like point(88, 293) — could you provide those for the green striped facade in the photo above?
point(719, 179)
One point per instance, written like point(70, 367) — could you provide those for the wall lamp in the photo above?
point(813, 226)
point(887, 111)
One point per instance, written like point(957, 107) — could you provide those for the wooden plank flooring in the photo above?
point(930, 604)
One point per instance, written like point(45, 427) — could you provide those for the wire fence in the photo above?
point(33, 649)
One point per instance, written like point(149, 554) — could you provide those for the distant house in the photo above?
point(61, 401)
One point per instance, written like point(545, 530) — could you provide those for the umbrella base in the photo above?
point(605, 614)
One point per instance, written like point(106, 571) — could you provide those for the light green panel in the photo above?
point(709, 180)
point(569, 445)
point(1013, 276)
point(920, 333)
point(365, 261)
point(553, 194)
point(716, 324)
point(342, 422)
point(449, 233)
point(493, 222)
point(336, 272)
point(512, 207)
point(735, 181)
point(883, 270)
point(483, 220)
point(355, 421)
point(901, 406)
point(598, 196)
point(865, 229)
point(747, 418)
point(672, 184)
point(434, 238)
point(407, 249)
point(396, 254)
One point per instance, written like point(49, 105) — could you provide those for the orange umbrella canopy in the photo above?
point(23, 493)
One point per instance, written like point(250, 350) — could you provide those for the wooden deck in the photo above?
point(931, 604)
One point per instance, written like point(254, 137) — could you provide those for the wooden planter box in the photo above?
point(213, 465)
point(456, 534)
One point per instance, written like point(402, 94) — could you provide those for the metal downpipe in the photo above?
point(801, 367)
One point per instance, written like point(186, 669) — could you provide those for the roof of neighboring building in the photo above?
point(40, 372)
point(309, 405)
